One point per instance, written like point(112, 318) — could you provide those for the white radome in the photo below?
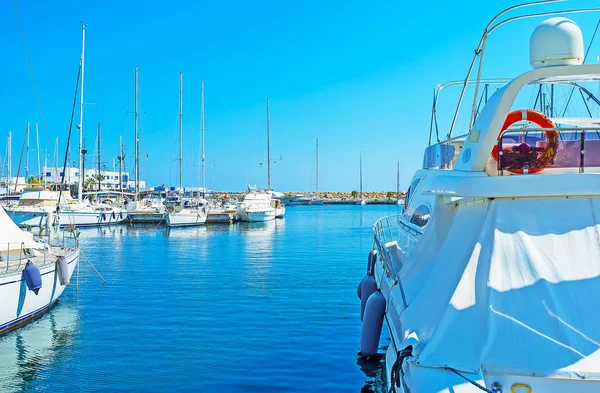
point(556, 42)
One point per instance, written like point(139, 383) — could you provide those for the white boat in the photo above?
point(34, 207)
point(256, 207)
point(150, 209)
point(489, 279)
point(20, 304)
point(187, 217)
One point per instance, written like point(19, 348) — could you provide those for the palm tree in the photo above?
point(354, 193)
point(32, 180)
point(90, 182)
point(389, 195)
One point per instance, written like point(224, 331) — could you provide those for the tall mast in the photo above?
point(136, 159)
point(317, 185)
point(56, 158)
point(9, 148)
point(398, 179)
point(99, 173)
point(37, 148)
point(361, 175)
point(121, 163)
point(27, 155)
point(268, 150)
point(80, 185)
point(180, 130)
point(203, 157)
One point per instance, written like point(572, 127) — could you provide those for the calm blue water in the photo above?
point(253, 307)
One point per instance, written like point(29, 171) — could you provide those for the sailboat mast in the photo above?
point(181, 130)
point(136, 159)
point(99, 173)
point(121, 163)
point(37, 148)
point(317, 179)
point(398, 179)
point(361, 194)
point(27, 155)
point(203, 157)
point(268, 150)
point(80, 185)
point(9, 148)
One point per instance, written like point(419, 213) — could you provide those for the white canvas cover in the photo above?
point(12, 236)
point(514, 288)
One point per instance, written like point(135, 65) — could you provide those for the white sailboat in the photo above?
point(191, 214)
point(33, 275)
point(361, 200)
point(489, 279)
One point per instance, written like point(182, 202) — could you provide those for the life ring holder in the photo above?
point(524, 152)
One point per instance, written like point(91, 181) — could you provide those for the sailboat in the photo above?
point(361, 201)
point(188, 212)
point(150, 209)
point(260, 205)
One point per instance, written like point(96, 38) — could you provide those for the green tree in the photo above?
point(32, 180)
point(354, 193)
point(90, 182)
point(389, 195)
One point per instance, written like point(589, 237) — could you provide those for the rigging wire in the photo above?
point(37, 93)
point(62, 180)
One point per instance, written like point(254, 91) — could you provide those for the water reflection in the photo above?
point(29, 351)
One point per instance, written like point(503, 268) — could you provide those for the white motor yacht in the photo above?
point(33, 275)
point(489, 279)
point(256, 207)
point(35, 208)
point(189, 213)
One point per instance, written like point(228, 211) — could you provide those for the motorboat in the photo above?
point(488, 280)
point(189, 213)
point(309, 199)
point(256, 206)
point(151, 209)
point(33, 274)
point(34, 207)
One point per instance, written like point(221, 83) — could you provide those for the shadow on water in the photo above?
point(374, 369)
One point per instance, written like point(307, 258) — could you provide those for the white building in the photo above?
point(111, 179)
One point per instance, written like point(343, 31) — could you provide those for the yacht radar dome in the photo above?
point(556, 42)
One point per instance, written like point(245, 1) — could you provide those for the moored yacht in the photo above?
point(256, 207)
point(35, 208)
point(488, 280)
point(187, 216)
point(33, 275)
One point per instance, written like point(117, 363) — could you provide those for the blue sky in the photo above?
point(359, 76)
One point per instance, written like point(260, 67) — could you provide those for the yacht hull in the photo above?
point(185, 220)
point(19, 305)
point(147, 217)
point(26, 219)
point(256, 216)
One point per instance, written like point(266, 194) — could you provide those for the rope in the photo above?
point(396, 376)
point(37, 93)
point(469, 380)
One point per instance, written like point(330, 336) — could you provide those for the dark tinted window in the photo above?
point(421, 216)
point(409, 193)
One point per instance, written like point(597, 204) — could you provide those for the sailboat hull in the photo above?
point(19, 305)
point(185, 219)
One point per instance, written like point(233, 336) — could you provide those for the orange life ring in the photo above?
point(524, 154)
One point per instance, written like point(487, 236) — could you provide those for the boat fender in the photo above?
point(33, 277)
point(371, 262)
point(372, 324)
point(366, 287)
point(103, 216)
point(120, 215)
point(63, 270)
point(113, 215)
